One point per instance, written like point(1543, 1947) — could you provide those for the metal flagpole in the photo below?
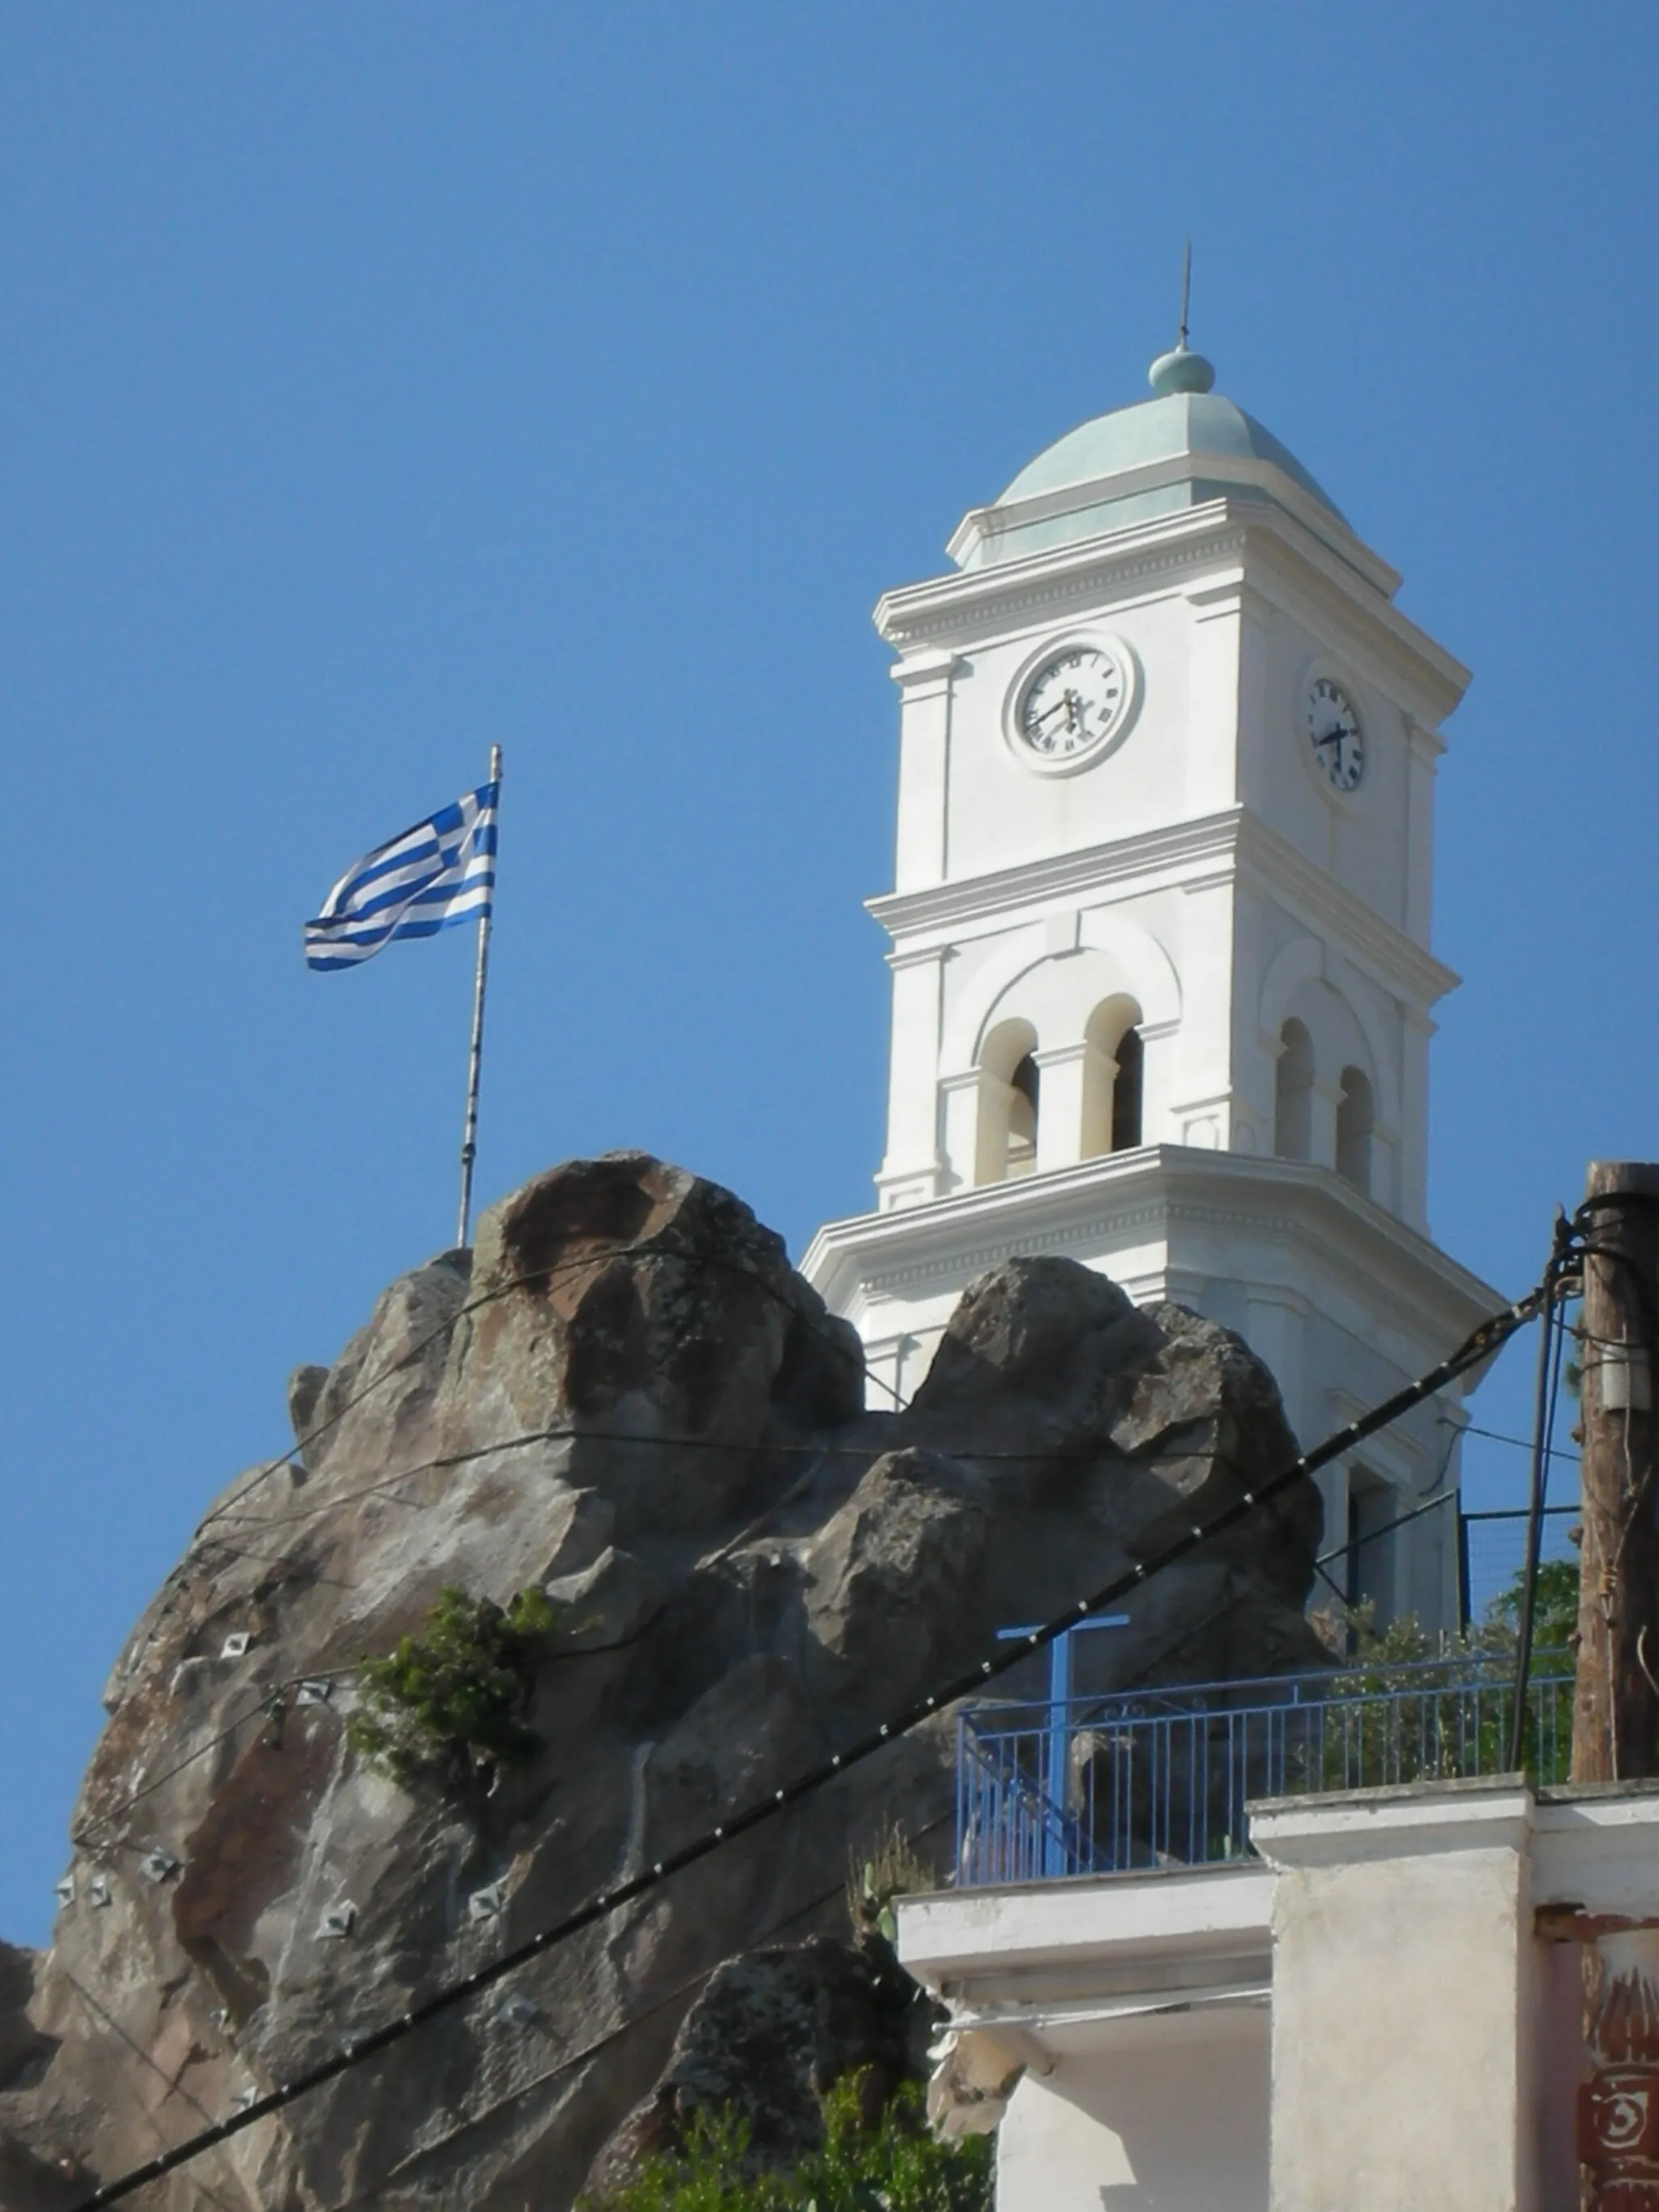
point(475, 1063)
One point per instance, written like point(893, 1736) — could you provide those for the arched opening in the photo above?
point(1354, 1119)
point(1113, 1079)
point(1125, 1091)
point(1022, 1119)
point(1008, 1103)
point(1293, 1094)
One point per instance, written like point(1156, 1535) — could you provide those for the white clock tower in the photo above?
point(1162, 982)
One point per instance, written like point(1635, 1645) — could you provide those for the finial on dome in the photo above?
point(1182, 370)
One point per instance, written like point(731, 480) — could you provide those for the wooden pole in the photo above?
point(1615, 1723)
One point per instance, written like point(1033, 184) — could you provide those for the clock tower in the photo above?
point(1163, 989)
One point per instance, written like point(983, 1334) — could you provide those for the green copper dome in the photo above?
point(1136, 464)
point(1187, 422)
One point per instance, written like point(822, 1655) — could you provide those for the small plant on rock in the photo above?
point(892, 1869)
point(450, 1702)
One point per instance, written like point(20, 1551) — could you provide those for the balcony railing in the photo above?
point(1162, 1778)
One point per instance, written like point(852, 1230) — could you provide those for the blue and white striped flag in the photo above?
point(441, 872)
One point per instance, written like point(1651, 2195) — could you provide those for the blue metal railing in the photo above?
point(1159, 1777)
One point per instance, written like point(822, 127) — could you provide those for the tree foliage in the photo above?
point(1555, 1605)
point(450, 1702)
point(895, 2165)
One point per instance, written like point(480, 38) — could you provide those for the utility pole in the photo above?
point(1615, 1722)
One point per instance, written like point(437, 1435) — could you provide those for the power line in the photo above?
point(269, 1702)
point(571, 1432)
point(545, 1276)
point(1478, 1346)
point(614, 2034)
point(1497, 1436)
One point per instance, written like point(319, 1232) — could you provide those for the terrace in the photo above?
point(1133, 1780)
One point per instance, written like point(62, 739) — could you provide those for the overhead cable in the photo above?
point(1480, 1346)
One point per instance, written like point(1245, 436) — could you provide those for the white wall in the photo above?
point(1177, 2118)
point(1402, 2002)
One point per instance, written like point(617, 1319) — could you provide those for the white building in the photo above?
point(1388, 2012)
point(1163, 989)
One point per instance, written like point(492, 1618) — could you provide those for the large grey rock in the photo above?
point(626, 1394)
point(772, 2033)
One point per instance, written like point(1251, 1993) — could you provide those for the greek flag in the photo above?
point(442, 871)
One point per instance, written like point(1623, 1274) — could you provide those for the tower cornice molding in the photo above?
point(1161, 1194)
point(956, 611)
point(1212, 849)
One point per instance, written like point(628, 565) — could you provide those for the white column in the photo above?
point(924, 682)
point(1322, 1102)
point(1211, 733)
point(1201, 1110)
point(971, 1107)
point(1061, 1074)
point(1423, 748)
point(1414, 1174)
point(1159, 1081)
point(911, 1173)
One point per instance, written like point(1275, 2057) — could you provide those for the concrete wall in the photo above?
point(1175, 2118)
point(1403, 1989)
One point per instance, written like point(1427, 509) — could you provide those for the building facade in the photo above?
point(1162, 982)
point(1384, 2009)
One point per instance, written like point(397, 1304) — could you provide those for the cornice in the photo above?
point(951, 606)
point(1209, 849)
point(972, 898)
point(1138, 1196)
point(958, 609)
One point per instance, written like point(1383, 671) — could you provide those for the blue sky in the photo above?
point(377, 382)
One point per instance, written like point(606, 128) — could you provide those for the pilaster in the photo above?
point(924, 680)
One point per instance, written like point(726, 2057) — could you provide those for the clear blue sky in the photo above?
point(381, 380)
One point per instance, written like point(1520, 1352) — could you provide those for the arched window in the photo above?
point(1112, 1079)
point(1007, 1104)
point(1293, 1094)
point(1125, 1091)
point(1023, 1118)
point(1354, 1118)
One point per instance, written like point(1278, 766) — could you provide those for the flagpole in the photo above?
point(475, 1060)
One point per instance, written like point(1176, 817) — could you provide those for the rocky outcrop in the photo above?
point(626, 1395)
point(774, 2030)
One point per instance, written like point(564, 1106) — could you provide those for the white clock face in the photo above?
point(1334, 731)
point(1072, 704)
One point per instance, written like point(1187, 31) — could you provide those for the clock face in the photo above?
point(1334, 731)
point(1072, 704)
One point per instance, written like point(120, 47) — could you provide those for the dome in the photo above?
point(1186, 423)
point(1159, 447)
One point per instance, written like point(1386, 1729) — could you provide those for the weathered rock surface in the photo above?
point(628, 1397)
point(773, 2031)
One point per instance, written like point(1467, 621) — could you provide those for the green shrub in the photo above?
point(450, 1702)
point(895, 2166)
point(1428, 1725)
point(1554, 1610)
